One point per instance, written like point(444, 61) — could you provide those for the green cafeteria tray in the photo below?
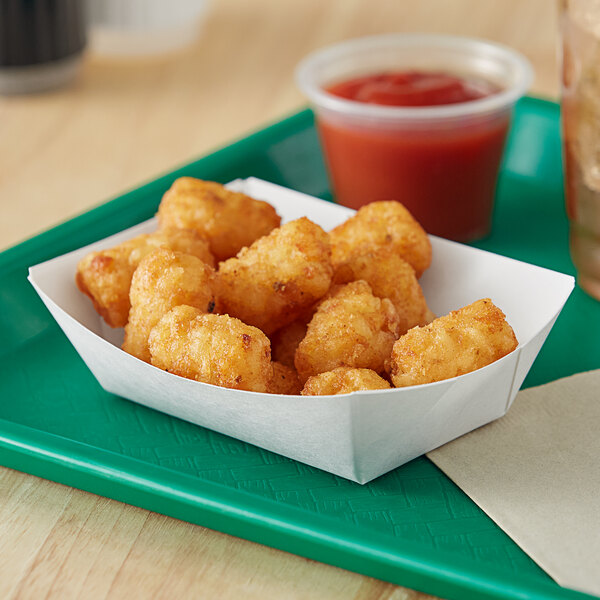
point(412, 526)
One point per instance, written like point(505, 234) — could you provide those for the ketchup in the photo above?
point(443, 171)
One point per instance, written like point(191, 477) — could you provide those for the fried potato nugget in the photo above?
point(105, 276)
point(343, 380)
point(285, 340)
point(271, 283)
point(229, 220)
point(213, 349)
point(382, 224)
point(389, 277)
point(165, 279)
point(353, 328)
point(284, 381)
point(463, 341)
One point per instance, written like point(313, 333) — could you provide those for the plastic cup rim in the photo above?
point(490, 104)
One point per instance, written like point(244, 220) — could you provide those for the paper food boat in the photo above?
point(358, 436)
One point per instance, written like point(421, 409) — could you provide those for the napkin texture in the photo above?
point(536, 473)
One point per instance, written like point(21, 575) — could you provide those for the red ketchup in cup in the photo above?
point(446, 177)
point(412, 88)
point(424, 136)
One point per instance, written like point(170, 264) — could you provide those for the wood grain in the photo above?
point(122, 123)
point(59, 543)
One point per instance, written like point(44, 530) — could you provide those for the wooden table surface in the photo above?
point(119, 125)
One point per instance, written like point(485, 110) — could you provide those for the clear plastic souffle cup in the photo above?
point(440, 161)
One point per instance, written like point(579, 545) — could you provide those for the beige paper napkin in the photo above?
point(536, 473)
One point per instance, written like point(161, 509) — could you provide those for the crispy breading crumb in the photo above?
point(458, 343)
point(213, 349)
point(271, 283)
point(284, 381)
point(105, 275)
point(343, 380)
point(229, 220)
point(382, 224)
point(352, 328)
point(165, 279)
point(389, 276)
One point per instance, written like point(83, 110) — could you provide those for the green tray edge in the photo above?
point(240, 514)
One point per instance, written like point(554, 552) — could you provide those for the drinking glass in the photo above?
point(580, 28)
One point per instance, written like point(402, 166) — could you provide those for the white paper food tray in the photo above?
point(358, 436)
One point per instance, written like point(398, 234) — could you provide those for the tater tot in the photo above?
point(213, 349)
point(271, 283)
point(463, 341)
point(284, 381)
point(352, 328)
point(285, 340)
point(164, 279)
point(229, 220)
point(389, 277)
point(105, 276)
point(380, 224)
point(343, 380)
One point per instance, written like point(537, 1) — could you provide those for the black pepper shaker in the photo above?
point(41, 43)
